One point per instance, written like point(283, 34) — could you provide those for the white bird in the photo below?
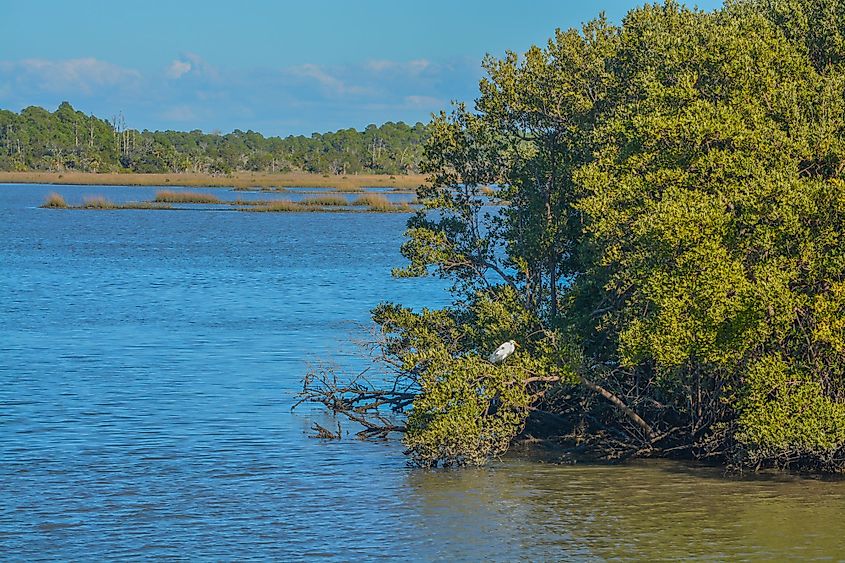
point(502, 352)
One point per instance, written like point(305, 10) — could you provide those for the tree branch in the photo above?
point(617, 402)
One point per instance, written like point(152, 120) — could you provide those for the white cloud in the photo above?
point(201, 67)
point(425, 102)
point(413, 67)
point(380, 65)
point(83, 75)
point(418, 65)
point(318, 74)
point(331, 84)
point(177, 69)
point(188, 92)
point(193, 65)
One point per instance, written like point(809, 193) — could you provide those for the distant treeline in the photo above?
point(66, 139)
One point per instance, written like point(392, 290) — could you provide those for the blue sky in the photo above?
point(275, 67)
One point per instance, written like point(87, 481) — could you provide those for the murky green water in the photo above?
point(646, 510)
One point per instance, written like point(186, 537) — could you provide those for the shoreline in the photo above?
point(244, 180)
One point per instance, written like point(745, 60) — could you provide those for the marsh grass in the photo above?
point(168, 196)
point(282, 206)
point(101, 203)
point(277, 206)
point(377, 201)
point(249, 202)
point(349, 189)
point(238, 180)
point(143, 205)
point(326, 200)
point(373, 203)
point(54, 201)
point(97, 202)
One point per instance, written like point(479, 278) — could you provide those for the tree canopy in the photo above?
point(666, 248)
point(66, 139)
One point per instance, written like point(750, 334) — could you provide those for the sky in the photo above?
point(277, 67)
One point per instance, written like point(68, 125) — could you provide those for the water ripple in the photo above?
point(147, 366)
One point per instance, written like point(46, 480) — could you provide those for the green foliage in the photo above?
point(466, 409)
point(714, 205)
point(67, 139)
point(671, 240)
point(785, 414)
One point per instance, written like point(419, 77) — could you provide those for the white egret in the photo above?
point(503, 352)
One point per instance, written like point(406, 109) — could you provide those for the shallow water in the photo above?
point(148, 362)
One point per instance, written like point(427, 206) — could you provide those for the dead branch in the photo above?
point(617, 402)
point(358, 399)
point(324, 433)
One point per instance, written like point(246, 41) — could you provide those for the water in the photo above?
point(148, 362)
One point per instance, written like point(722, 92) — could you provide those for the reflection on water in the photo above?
point(148, 362)
point(645, 510)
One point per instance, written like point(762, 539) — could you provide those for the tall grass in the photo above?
point(242, 180)
point(373, 201)
point(168, 196)
point(279, 205)
point(143, 205)
point(97, 202)
point(347, 188)
point(378, 203)
point(101, 203)
point(248, 202)
point(325, 200)
point(55, 201)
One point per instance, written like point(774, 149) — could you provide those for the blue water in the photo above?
point(148, 363)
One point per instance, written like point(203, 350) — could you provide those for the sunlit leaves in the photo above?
point(672, 223)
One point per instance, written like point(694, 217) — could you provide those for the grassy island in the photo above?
point(371, 203)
